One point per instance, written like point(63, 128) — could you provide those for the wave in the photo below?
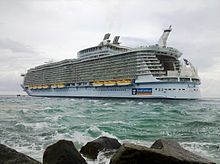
point(200, 124)
point(205, 149)
point(35, 126)
point(31, 124)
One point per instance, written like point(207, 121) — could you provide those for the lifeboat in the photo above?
point(110, 83)
point(39, 87)
point(45, 86)
point(34, 87)
point(97, 83)
point(53, 86)
point(60, 85)
point(124, 82)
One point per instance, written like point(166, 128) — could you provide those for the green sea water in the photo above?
point(31, 124)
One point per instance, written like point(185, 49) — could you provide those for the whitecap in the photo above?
point(94, 129)
point(106, 134)
point(101, 158)
point(138, 142)
point(81, 137)
point(140, 103)
point(54, 118)
point(98, 132)
point(48, 108)
point(24, 110)
point(35, 126)
point(106, 104)
point(200, 148)
point(115, 122)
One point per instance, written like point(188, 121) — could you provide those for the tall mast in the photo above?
point(163, 39)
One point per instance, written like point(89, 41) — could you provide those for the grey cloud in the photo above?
point(195, 31)
point(57, 28)
point(15, 46)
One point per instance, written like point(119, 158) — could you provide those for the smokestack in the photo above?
point(107, 36)
point(115, 40)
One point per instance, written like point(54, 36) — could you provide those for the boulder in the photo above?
point(91, 149)
point(62, 152)
point(162, 151)
point(174, 149)
point(11, 156)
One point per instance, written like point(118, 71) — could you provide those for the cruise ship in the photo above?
point(110, 70)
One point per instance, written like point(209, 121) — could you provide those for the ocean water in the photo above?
point(30, 124)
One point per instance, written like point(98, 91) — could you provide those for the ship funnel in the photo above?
point(107, 36)
point(163, 39)
point(105, 39)
point(115, 40)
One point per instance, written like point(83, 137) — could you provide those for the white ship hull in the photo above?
point(178, 90)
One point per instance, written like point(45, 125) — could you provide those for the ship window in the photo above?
point(155, 88)
point(169, 89)
point(195, 80)
point(184, 79)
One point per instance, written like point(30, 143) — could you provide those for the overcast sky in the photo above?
point(35, 31)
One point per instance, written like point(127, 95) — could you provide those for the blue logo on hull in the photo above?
point(141, 91)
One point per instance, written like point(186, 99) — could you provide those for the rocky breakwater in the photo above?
point(64, 152)
point(92, 149)
point(11, 156)
point(162, 151)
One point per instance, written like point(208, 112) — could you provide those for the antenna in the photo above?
point(163, 39)
point(115, 40)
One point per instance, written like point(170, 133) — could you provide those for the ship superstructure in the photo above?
point(112, 70)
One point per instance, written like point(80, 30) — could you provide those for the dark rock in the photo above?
point(91, 149)
point(11, 156)
point(162, 151)
point(174, 149)
point(130, 153)
point(62, 152)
